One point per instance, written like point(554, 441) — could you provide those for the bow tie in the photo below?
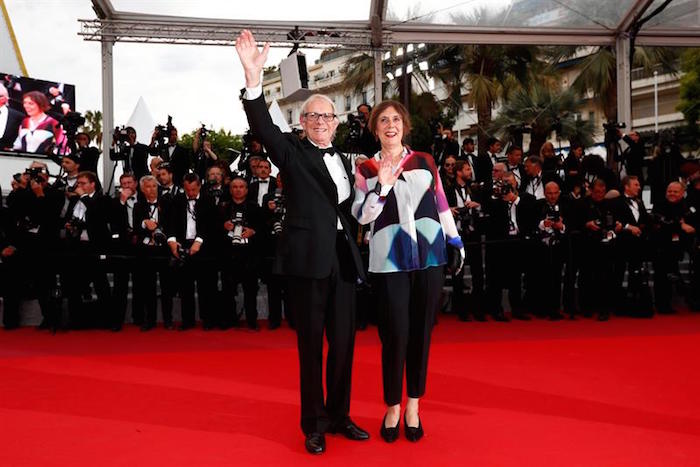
point(191, 200)
point(155, 203)
point(329, 150)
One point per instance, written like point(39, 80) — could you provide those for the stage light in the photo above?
point(389, 76)
point(423, 66)
point(409, 68)
point(409, 48)
point(399, 51)
point(399, 72)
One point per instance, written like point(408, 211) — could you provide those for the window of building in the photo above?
point(591, 117)
point(364, 97)
point(348, 102)
point(290, 114)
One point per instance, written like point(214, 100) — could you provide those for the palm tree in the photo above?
point(93, 126)
point(543, 107)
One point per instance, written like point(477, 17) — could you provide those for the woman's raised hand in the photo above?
point(251, 58)
point(386, 174)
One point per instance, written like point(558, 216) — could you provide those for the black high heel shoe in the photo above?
point(389, 434)
point(412, 433)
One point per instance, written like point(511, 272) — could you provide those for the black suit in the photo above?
point(508, 253)
point(8, 135)
point(137, 156)
point(254, 189)
point(200, 266)
point(151, 261)
point(181, 162)
point(321, 290)
point(484, 169)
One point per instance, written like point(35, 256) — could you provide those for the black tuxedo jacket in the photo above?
point(307, 244)
point(254, 189)
point(484, 167)
point(205, 219)
point(142, 212)
point(137, 161)
point(8, 135)
point(97, 217)
point(623, 212)
point(181, 162)
point(525, 215)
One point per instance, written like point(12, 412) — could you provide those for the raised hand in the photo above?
point(251, 58)
point(386, 174)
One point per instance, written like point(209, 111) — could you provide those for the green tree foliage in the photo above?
point(690, 88)
point(93, 126)
point(222, 142)
point(540, 106)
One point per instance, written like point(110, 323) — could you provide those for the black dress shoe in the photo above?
point(603, 316)
point(185, 327)
point(521, 317)
point(479, 317)
point(389, 434)
point(500, 317)
point(169, 326)
point(273, 325)
point(208, 326)
point(147, 327)
point(116, 328)
point(349, 430)
point(412, 433)
point(315, 443)
point(556, 316)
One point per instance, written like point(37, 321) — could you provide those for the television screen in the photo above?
point(35, 114)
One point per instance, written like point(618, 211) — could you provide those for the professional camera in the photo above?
point(121, 139)
point(613, 126)
point(607, 226)
point(179, 262)
point(236, 234)
point(466, 219)
point(76, 227)
point(279, 212)
point(159, 237)
point(71, 122)
point(212, 190)
point(36, 174)
point(355, 124)
point(203, 133)
point(501, 188)
point(552, 236)
point(162, 135)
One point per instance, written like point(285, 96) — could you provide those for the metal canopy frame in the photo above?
point(375, 34)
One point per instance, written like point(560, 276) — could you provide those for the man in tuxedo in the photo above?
point(514, 162)
point(367, 143)
point(180, 158)
point(264, 184)
point(512, 222)
point(536, 179)
point(467, 154)
point(166, 185)
point(552, 221)
point(10, 121)
point(465, 205)
point(487, 159)
point(316, 250)
point(152, 256)
point(133, 153)
point(631, 244)
point(89, 155)
point(633, 156)
point(189, 230)
point(87, 241)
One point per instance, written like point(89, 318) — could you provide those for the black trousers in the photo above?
point(506, 263)
point(549, 261)
point(317, 305)
point(275, 285)
point(238, 269)
point(124, 266)
point(151, 262)
point(409, 302)
point(80, 265)
point(200, 269)
point(597, 276)
point(475, 262)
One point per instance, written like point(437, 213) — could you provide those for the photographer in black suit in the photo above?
point(316, 250)
point(152, 256)
point(134, 154)
point(87, 241)
point(241, 221)
point(189, 230)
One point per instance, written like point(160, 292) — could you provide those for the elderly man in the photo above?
point(316, 251)
point(10, 120)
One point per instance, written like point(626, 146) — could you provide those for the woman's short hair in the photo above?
point(39, 99)
point(384, 105)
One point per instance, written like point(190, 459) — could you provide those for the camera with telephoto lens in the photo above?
point(159, 237)
point(76, 227)
point(236, 234)
point(466, 219)
point(180, 260)
point(501, 188)
point(606, 223)
point(279, 212)
point(552, 236)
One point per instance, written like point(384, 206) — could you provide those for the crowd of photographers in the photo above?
point(563, 237)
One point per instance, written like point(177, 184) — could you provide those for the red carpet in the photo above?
point(623, 393)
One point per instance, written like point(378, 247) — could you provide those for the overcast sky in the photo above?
point(194, 84)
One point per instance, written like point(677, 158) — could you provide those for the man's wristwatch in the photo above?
point(378, 189)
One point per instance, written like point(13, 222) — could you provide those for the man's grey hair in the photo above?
point(147, 178)
point(314, 97)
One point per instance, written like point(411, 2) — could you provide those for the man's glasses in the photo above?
point(314, 116)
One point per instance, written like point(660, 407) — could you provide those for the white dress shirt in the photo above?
point(263, 186)
point(4, 114)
